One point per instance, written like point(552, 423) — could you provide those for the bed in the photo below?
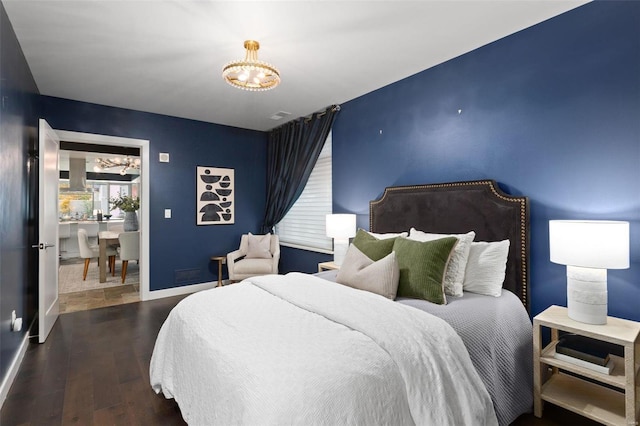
point(303, 349)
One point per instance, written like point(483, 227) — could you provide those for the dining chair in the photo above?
point(88, 252)
point(92, 229)
point(129, 249)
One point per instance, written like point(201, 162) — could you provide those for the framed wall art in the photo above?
point(215, 196)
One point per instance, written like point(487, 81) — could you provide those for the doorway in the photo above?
point(111, 292)
point(91, 176)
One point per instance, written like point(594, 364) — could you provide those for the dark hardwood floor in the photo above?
point(94, 370)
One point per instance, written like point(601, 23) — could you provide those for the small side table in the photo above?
point(221, 260)
point(594, 397)
point(327, 266)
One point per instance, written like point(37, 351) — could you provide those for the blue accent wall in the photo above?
point(178, 244)
point(18, 124)
point(297, 260)
point(551, 112)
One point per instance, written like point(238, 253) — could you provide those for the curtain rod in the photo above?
point(318, 114)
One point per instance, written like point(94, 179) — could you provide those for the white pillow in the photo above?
point(259, 247)
point(454, 275)
point(388, 235)
point(358, 271)
point(486, 267)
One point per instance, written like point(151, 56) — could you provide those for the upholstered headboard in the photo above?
point(460, 207)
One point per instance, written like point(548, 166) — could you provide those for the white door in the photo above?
point(48, 230)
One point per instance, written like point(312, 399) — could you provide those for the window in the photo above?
point(77, 204)
point(304, 225)
point(116, 189)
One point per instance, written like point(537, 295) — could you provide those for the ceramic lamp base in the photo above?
point(340, 247)
point(587, 294)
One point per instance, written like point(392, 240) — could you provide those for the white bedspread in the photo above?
point(297, 349)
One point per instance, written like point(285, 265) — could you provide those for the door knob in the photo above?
point(43, 246)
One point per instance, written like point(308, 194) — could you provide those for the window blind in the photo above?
point(304, 224)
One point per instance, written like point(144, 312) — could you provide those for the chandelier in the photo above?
point(251, 74)
point(124, 164)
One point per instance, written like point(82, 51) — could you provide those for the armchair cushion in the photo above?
point(259, 247)
point(254, 267)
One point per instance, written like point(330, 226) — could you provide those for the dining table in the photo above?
point(105, 238)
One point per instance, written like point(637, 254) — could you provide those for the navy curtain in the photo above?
point(292, 153)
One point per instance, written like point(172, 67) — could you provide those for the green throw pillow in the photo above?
point(422, 266)
point(372, 247)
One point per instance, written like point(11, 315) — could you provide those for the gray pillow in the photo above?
point(380, 277)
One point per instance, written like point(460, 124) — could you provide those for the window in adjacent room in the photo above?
point(304, 225)
point(85, 204)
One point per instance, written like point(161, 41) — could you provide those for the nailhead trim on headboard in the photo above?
point(522, 202)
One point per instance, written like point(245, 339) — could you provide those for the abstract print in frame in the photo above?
point(215, 191)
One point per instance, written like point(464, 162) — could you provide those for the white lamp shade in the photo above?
point(341, 226)
point(589, 243)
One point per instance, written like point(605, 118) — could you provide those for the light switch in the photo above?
point(167, 213)
point(164, 157)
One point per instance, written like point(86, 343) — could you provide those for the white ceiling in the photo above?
point(166, 56)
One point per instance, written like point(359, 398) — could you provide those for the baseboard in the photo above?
point(13, 369)
point(177, 291)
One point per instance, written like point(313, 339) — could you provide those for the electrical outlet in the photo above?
point(16, 323)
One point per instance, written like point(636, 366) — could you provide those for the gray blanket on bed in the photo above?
point(498, 334)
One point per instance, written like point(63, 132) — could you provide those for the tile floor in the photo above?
point(78, 295)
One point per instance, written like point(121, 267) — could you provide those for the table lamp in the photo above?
point(340, 227)
point(588, 248)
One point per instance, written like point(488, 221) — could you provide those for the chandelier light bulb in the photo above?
point(250, 73)
point(110, 163)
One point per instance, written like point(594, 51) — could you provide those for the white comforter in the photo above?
point(297, 349)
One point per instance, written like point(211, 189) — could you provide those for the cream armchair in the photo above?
point(257, 255)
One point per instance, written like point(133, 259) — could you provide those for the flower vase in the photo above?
point(130, 221)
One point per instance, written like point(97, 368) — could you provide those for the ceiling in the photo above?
point(167, 56)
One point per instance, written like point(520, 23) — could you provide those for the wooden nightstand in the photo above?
point(327, 266)
point(588, 398)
